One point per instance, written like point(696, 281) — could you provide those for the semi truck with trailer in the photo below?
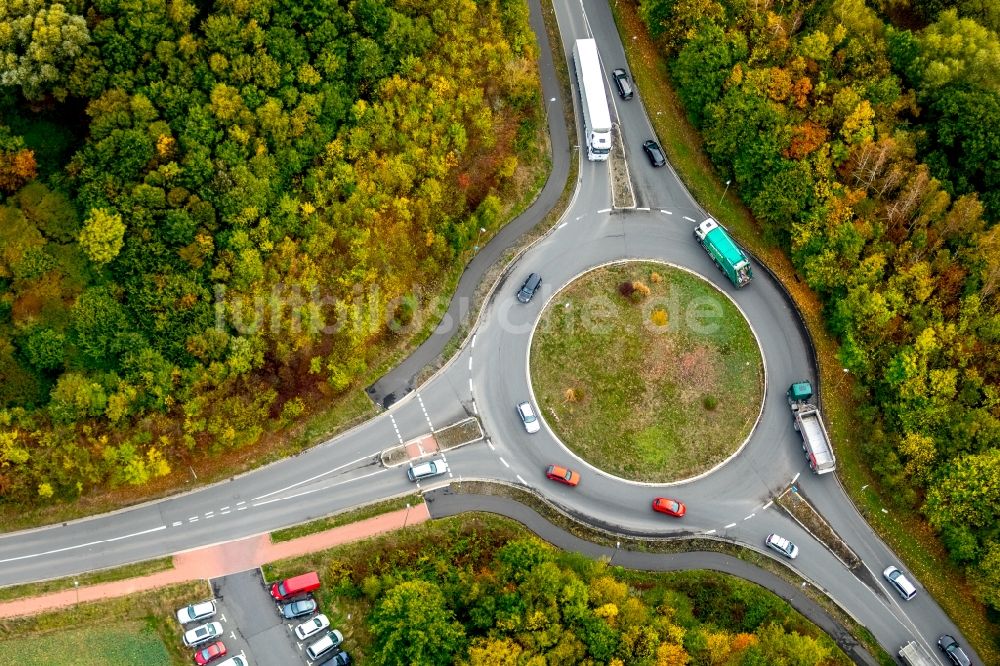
point(914, 655)
point(726, 254)
point(596, 116)
point(806, 418)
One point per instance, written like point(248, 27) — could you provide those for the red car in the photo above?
point(562, 475)
point(669, 507)
point(209, 653)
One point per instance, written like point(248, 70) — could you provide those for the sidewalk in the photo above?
point(221, 560)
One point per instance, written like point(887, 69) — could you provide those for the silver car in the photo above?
point(199, 611)
point(782, 545)
point(902, 584)
point(528, 418)
point(205, 632)
point(426, 469)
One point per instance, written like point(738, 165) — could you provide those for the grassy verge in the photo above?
point(654, 387)
point(353, 516)
point(90, 632)
point(906, 532)
point(92, 578)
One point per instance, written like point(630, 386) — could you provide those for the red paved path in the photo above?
point(221, 560)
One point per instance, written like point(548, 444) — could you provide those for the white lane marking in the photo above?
point(424, 409)
point(225, 513)
point(490, 444)
point(209, 514)
point(505, 463)
point(241, 508)
point(470, 384)
point(470, 364)
point(392, 420)
point(473, 345)
point(312, 478)
point(475, 409)
point(689, 219)
point(729, 525)
point(796, 477)
point(314, 490)
point(667, 212)
point(177, 523)
point(750, 516)
point(521, 480)
point(51, 552)
point(241, 502)
point(225, 508)
point(769, 504)
point(193, 519)
point(709, 532)
point(645, 210)
point(563, 224)
point(135, 534)
point(604, 210)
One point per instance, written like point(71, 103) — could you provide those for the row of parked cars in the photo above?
point(202, 637)
point(294, 600)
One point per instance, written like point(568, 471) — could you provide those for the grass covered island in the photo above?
point(646, 371)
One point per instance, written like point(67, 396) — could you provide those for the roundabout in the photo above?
point(646, 371)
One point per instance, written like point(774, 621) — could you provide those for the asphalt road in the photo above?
point(490, 374)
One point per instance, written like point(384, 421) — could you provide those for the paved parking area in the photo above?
point(255, 621)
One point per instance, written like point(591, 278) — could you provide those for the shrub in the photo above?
point(658, 317)
point(710, 402)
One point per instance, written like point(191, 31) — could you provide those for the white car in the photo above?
point(311, 627)
point(782, 545)
point(528, 418)
point(199, 611)
point(426, 469)
point(900, 582)
point(240, 660)
point(205, 632)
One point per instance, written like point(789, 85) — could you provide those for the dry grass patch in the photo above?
point(651, 378)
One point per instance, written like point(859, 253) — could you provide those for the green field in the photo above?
point(121, 644)
point(653, 388)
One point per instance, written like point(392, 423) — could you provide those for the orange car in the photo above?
point(669, 506)
point(562, 475)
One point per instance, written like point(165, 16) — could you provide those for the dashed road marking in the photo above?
point(729, 525)
point(470, 384)
point(769, 504)
point(475, 409)
point(209, 514)
point(645, 210)
point(689, 219)
point(505, 463)
point(604, 210)
point(241, 508)
point(667, 212)
point(193, 519)
point(750, 516)
point(470, 364)
point(225, 508)
point(709, 532)
point(177, 523)
point(796, 477)
point(521, 480)
point(392, 420)
point(563, 224)
point(424, 409)
point(490, 444)
point(473, 345)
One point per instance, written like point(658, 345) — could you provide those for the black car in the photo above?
point(654, 153)
point(622, 83)
point(529, 287)
point(338, 658)
point(954, 651)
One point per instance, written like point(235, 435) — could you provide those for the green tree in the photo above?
point(412, 625)
point(957, 50)
point(703, 65)
point(102, 235)
point(39, 45)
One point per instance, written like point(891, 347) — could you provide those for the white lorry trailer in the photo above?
point(596, 116)
point(815, 440)
point(914, 655)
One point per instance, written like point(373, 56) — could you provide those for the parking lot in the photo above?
point(253, 629)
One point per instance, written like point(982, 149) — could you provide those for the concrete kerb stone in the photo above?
point(815, 538)
point(591, 467)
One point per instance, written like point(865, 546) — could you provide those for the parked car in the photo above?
point(325, 645)
point(954, 651)
point(312, 626)
point(339, 658)
point(654, 153)
point(240, 660)
point(669, 506)
point(294, 586)
point(622, 83)
point(294, 609)
point(426, 469)
point(528, 418)
point(782, 545)
point(530, 286)
point(900, 582)
point(562, 475)
point(199, 611)
point(210, 652)
point(202, 634)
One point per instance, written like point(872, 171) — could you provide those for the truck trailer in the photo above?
point(914, 655)
point(806, 418)
point(596, 116)
point(726, 254)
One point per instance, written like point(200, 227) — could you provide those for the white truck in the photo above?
point(914, 655)
point(596, 116)
point(815, 440)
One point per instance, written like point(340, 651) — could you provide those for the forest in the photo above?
point(212, 213)
point(481, 592)
point(865, 139)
